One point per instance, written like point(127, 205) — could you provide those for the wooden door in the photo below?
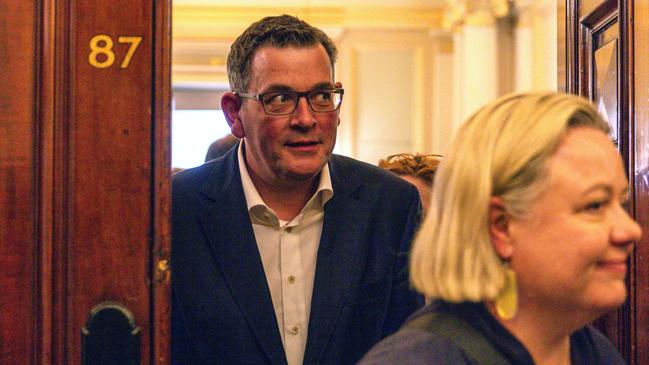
point(639, 95)
point(84, 189)
point(602, 55)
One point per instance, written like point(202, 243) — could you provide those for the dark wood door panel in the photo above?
point(594, 7)
point(18, 224)
point(84, 166)
point(599, 63)
point(640, 176)
point(109, 134)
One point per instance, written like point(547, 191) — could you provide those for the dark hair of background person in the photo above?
point(219, 147)
point(280, 31)
point(422, 166)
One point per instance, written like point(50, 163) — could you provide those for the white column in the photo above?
point(476, 77)
point(524, 54)
point(536, 45)
point(443, 97)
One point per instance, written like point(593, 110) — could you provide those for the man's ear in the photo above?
point(231, 105)
point(499, 228)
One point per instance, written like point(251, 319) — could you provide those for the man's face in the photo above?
point(288, 149)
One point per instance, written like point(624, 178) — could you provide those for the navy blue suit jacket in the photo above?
point(222, 310)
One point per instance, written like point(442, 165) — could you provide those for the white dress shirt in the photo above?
point(288, 253)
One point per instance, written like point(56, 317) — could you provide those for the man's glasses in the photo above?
point(285, 102)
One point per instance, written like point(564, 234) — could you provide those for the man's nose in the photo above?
point(303, 115)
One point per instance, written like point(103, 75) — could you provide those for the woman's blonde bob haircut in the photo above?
point(499, 151)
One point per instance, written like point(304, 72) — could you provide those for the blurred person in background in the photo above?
point(219, 147)
point(417, 169)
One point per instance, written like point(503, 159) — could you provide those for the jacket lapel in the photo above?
point(227, 226)
point(337, 262)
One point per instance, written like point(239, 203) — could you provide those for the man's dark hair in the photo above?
point(275, 31)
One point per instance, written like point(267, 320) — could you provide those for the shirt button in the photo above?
point(295, 330)
point(289, 229)
point(291, 279)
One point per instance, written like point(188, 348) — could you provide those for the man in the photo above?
point(283, 253)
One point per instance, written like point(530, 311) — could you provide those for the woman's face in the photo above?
point(570, 251)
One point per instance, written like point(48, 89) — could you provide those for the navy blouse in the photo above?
point(418, 346)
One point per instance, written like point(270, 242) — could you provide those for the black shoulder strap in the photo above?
point(462, 334)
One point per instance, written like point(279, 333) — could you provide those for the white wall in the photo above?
point(389, 92)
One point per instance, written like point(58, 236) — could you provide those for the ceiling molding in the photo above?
point(202, 33)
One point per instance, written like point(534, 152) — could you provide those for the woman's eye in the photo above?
point(626, 204)
point(595, 207)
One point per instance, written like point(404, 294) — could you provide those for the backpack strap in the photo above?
point(462, 334)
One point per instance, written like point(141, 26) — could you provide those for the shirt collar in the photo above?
point(253, 199)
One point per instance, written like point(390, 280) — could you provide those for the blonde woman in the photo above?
point(525, 242)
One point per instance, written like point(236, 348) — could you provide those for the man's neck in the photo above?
point(286, 199)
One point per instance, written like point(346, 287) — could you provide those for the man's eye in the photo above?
point(279, 98)
point(321, 97)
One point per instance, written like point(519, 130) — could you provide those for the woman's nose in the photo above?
point(625, 230)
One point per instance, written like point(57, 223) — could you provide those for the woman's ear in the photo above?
point(499, 230)
point(231, 105)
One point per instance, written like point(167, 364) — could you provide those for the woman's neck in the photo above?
point(545, 336)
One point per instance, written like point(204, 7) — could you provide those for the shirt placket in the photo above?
point(293, 296)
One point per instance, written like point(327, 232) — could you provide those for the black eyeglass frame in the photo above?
point(305, 94)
